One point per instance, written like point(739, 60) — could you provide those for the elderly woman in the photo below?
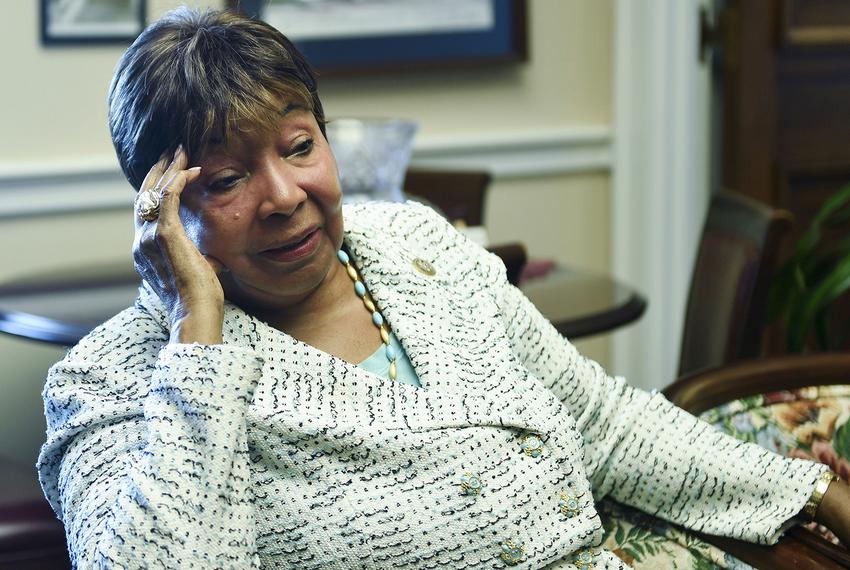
point(304, 385)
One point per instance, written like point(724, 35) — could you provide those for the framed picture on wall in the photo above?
point(91, 21)
point(356, 36)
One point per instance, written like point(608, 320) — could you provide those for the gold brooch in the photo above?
point(424, 267)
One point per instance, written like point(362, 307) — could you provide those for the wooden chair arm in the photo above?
point(798, 549)
point(701, 391)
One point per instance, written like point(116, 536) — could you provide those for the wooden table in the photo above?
point(60, 308)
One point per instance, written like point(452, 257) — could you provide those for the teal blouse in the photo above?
point(378, 364)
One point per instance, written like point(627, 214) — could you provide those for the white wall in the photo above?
point(53, 117)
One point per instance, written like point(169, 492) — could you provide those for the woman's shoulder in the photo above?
point(410, 230)
point(393, 215)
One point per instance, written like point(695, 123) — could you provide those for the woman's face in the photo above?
point(268, 207)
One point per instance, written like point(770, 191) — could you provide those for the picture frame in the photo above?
point(348, 37)
point(68, 22)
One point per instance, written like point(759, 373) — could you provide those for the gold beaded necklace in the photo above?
point(377, 318)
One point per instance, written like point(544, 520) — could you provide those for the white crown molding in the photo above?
point(91, 185)
point(521, 154)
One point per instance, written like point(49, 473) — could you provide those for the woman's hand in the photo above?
point(165, 257)
point(834, 510)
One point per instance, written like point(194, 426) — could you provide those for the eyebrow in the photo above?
point(292, 107)
point(286, 110)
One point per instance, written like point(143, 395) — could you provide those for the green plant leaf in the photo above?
point(836, 283)
point(841, 441)
point(830, 206)
point(838, 219)
point(797, 333)
point(809, 240)
point(702, 563)
point(634, 554)
point(785, 287)
point(803, 289)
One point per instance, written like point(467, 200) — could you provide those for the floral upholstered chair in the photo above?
point(797, 406)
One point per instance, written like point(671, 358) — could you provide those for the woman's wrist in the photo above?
point(834, 510)
point(203, 327)
point(812, 506)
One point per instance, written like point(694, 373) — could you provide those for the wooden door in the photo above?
point(785, 73)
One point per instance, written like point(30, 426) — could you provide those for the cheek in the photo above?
point(329, 183)
point(332, 197)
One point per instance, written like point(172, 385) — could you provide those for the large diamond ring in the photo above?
point(147, 205)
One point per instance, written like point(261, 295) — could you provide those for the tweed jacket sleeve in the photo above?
point(644, 451)
point(146, 459)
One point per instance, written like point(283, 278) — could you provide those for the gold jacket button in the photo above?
point(586, 559)
point(471, 483)
point(512, 552)
point(531, 445)
point(569, 505)
point(424, 267)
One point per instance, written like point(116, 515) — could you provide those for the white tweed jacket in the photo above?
point(266, 452)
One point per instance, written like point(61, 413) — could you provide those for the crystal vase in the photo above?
point(372, 156)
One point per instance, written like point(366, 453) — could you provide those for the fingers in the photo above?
point(150, 184)
point(166, 177)
point(177, 163)
point(156, 172)
point(170, 192)
point(155, 239)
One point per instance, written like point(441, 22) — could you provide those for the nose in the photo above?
point(281, 192)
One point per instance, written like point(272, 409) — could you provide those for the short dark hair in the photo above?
point(198, 78)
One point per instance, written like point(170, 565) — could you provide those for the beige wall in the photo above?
point(54, 106)
point(52, 112)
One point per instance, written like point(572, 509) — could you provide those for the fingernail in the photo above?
point(194, 169)
point(179, 149)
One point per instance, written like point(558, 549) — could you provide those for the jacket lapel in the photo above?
point(430, 317)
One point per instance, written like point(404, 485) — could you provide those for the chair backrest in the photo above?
point(460, 195)
point(726, 310)
point(513, 255)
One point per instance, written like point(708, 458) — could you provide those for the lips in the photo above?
point(295, 248)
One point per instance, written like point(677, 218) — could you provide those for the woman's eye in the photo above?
point(302, 148)
point(224, 183)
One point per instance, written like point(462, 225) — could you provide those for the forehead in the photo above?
point(249, 134)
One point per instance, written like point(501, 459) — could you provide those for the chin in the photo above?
point(278, 292)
